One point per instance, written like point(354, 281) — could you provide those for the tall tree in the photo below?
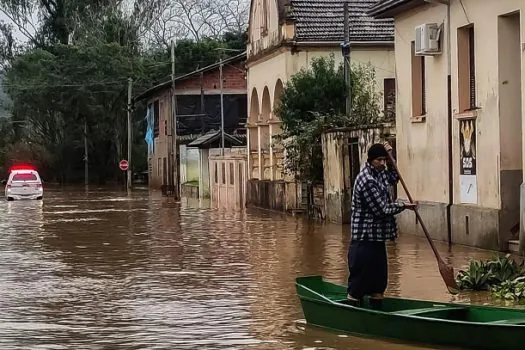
point(313, 101)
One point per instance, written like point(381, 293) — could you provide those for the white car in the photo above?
point(24, 183)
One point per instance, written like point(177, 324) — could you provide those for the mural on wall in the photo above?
point(467, 172)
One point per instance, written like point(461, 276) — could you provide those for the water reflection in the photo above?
point(111, 270)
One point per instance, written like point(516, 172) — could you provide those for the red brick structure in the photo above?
point(198, 111)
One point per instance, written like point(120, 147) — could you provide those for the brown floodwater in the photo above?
point(110, 270)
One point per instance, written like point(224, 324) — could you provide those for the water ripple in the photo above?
point(108, 270)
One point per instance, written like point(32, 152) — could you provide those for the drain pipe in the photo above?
point(449, 127)
point(447, 3)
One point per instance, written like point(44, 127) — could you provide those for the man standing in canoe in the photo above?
point(373, 223)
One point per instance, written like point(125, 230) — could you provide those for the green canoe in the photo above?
point(445, 324)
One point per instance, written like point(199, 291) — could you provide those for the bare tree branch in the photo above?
point(198, 19)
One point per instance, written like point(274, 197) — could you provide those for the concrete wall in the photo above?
point(423, 153)
point(275, 195)
point(339, 164)
point(286, 196)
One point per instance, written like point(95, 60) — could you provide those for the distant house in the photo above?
point(284, 36)
point(198, 112)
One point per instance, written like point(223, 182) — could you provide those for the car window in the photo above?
point(25, 177)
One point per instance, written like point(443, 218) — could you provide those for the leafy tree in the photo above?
point(74, 71)
point(313, 101)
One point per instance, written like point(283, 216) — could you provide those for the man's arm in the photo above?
point(373, 198)
point(392, 175)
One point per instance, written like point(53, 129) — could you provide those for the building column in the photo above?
point(249, 150)
point(259, 152)
point(270, 126)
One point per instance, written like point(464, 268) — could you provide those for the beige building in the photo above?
point(284, 36)
point(462, 158)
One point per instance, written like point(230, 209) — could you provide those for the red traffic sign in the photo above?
point(123, 165)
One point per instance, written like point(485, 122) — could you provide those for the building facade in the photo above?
point(284, 36)
point(198, 112)
point(460, 114)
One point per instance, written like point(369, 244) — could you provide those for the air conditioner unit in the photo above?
point(427, 39)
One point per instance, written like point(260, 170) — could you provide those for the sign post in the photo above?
point(124, 166)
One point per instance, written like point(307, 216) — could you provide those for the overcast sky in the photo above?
point(19, 36)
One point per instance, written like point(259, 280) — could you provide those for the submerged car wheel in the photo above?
point(38, 198)
point(10, 199)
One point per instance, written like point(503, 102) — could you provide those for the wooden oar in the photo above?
point(446, 270)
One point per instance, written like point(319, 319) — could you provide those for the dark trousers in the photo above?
point(368, 267)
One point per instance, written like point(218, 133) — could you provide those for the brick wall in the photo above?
point(234, 78)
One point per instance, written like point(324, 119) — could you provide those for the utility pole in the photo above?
point(174, 125)
point(222, 105)
point(86, 163)
point(221, 78)
point(130, 89)
point(345, 47)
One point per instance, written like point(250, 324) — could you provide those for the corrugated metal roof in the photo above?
point(212, 136)
point(387, 8)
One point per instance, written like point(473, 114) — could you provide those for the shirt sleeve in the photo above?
point(392, 176)
point(375, 201)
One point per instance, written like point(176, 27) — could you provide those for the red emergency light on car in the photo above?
point(21, 167)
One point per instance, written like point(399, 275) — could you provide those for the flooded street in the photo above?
point(104, 270)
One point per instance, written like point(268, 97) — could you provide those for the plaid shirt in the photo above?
point(373, 208)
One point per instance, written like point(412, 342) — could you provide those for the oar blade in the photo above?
point(447, 273)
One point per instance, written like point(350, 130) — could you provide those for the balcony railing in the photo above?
point(272, 39)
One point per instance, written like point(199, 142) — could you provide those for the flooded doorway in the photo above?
point(510, 120)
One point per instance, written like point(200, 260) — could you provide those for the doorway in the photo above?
point(510, 122)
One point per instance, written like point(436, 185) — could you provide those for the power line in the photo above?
point(37, 84)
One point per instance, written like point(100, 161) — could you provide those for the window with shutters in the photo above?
point(264, 18)
point(232, 174)
point(389, 98)
point(156, 118)
point(466, 69)
point(418, 84)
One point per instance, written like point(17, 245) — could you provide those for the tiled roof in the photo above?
point(322, 20)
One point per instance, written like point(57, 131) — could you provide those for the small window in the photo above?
point(264, 18)
point(216, 173)
point(466, 69)
point(223, 173)
point(355, 163)
point(389, 99)
point(418, 84)
point(232, 173)
point(156, 118)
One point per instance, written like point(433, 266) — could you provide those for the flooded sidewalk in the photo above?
point(104, 270)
